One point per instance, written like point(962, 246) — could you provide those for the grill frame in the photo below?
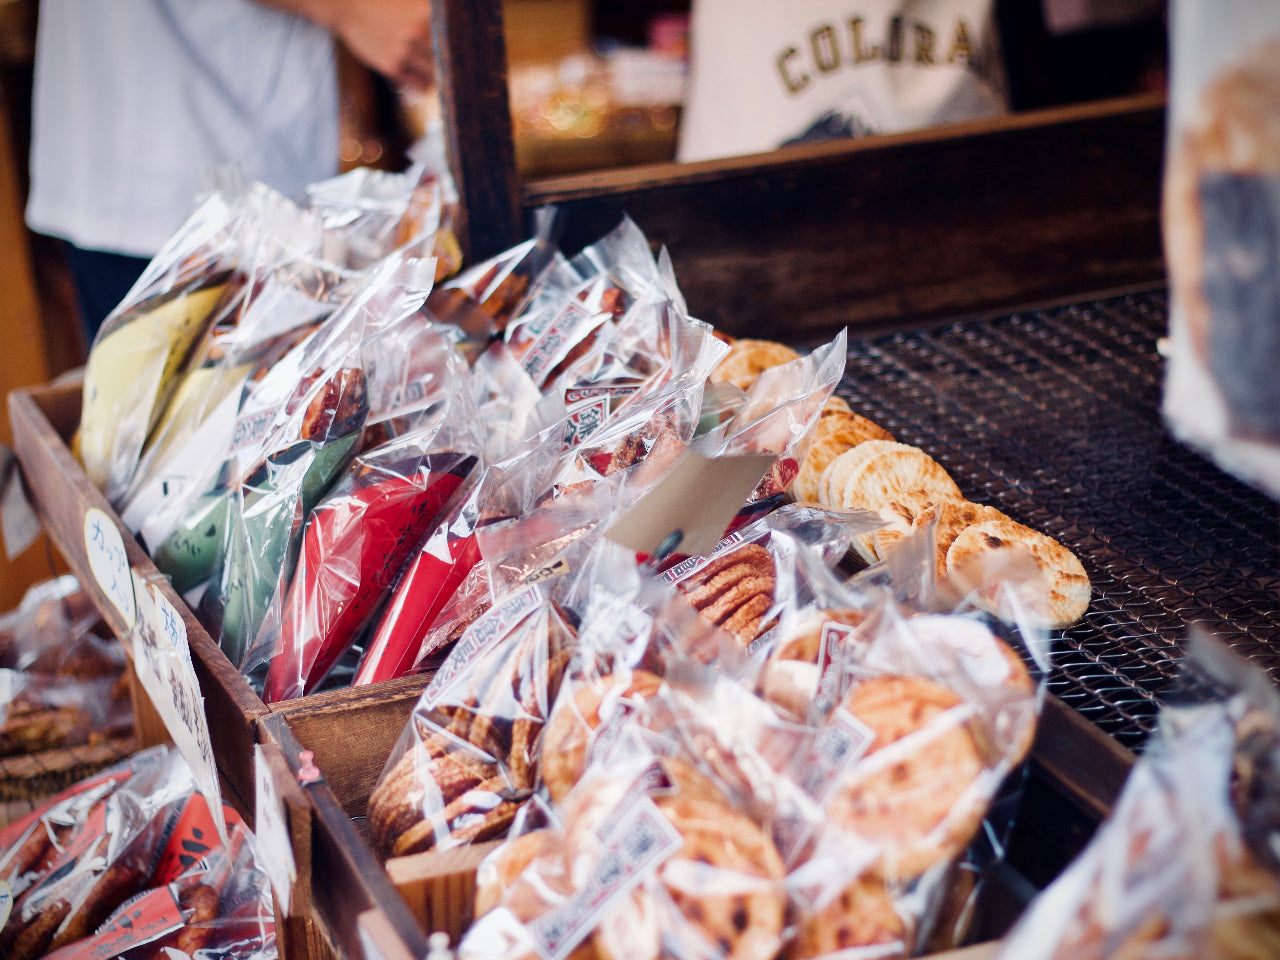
point(1053, 416)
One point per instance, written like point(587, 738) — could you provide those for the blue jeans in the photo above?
point(101, 281)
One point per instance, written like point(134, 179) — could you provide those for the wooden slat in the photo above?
point(896, 230)
point(1083, 762)
point(471, 70)
point(440, 887)
point(351, 881)
point(62, 493)
point(351, 732)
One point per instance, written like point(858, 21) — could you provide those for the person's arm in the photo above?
point(392, 37)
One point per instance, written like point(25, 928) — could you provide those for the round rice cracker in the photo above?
point(835, 404)
point(915, 796)
point(500, 868)
point(952, 516)
point(833, 434)
point(747, 359)
point(726, 881)
point(567, 739)
point(832, 481)
point(863, 915)
point(789, 678)
point(1062, 595)
point(897, 484)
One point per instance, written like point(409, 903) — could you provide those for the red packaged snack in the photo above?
point(354, 543)
point(419, 452)
point(447, 555)
point(103, 856)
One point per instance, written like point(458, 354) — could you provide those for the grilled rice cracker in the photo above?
point(1065, 592)
point(747, 359)
point(833, 434)
point(898, 484)
point(952, 516)
point(832, 480)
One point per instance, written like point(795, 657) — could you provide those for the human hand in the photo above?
point(392, 37)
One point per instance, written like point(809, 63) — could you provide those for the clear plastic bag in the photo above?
point(144, 341)
point(359, 536)
point(1185, 864)
point(468, 757)
point(316, 407)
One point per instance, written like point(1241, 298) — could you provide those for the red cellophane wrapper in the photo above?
point(441, 563)
point(219, 905)
point(1185, 865)
point(129, 861)
point(99, 848)
point(359, 537)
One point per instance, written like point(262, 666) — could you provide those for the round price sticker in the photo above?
point(109, 563)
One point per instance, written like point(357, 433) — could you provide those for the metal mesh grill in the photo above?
point(1053, 417)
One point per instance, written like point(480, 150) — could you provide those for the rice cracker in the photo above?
point(914, 791)
point(1063, 593)
point(833, 434)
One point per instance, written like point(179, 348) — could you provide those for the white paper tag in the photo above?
point(162, 660)
point(839, 746)
point(19, 521)
point(487, 632)
point(642, 840)
point(109, 563)
point(271, 828)
point(6, 903)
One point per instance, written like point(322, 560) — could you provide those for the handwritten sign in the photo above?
point(271, 827)
point(162, 659)
point(109, 563)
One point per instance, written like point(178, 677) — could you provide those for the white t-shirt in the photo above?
point(136, 101)
point(767, 72)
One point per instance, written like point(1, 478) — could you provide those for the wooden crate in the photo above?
point(1074, 775)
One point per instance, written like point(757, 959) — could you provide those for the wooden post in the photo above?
point(471, 70)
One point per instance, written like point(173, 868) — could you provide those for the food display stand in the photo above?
point(1003, 287)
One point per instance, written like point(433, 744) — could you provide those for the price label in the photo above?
point(162, 660)
point(109, 563)
point(271, 828)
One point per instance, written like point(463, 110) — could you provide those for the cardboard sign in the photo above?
point(271, 827)
point(19, 520)
point(698, 498)
point(162, 659)
point(109, 563)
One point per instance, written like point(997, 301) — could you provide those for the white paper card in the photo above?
point(162, 660)
point(271, 828)
point(109, 563)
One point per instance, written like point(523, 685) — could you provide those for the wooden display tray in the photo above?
point(43, 420)
point(1074, 775)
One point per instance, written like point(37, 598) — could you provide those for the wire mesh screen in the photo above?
point(1053, 416)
